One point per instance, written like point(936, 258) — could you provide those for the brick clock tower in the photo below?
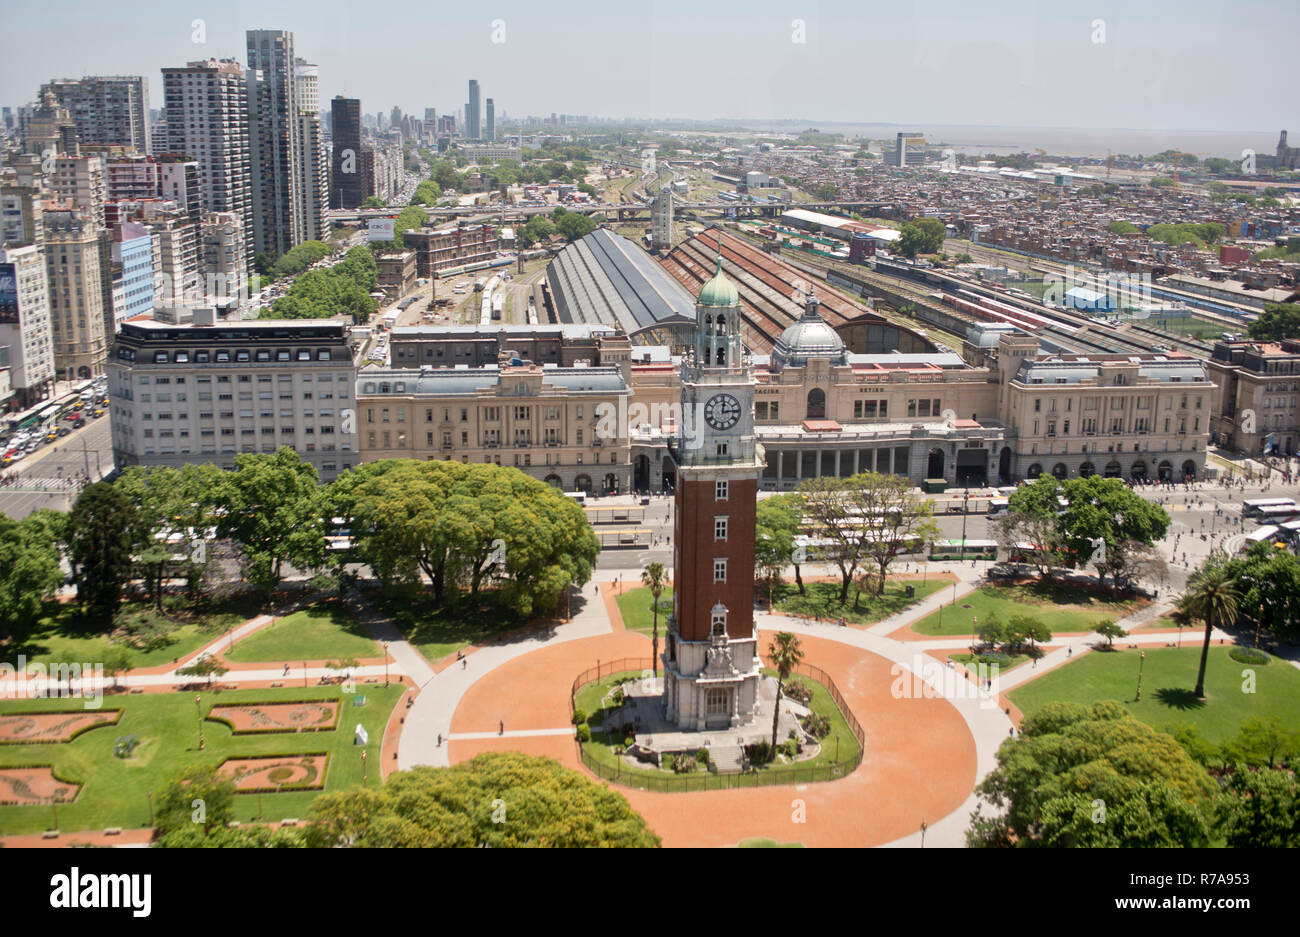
point(711, 662)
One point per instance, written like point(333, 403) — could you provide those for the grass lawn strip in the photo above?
point(823, 600)
point(321, 632)
point(114, 790)
point(1061, 608)
point(1168, 679)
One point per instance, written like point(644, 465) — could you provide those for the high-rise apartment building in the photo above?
point(273, 129)
point(314, 167)
point(25, 322)
point(107, 110)
point(132, 260)
point(472, 128)
point(490, 133)
point(207, 121)
point(49, 127)
point(347, 169)
point(80, 180)
point(76, 292)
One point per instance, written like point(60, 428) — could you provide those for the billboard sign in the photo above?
point(8, 295)
point(381, 229)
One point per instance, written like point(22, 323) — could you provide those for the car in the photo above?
point(79, 422)
point(97, 412)
point(52, 435)
point(63, 431)
point(73, 415)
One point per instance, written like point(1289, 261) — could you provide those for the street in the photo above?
point(89, 449)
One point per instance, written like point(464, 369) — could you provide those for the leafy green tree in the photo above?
point(1211, 596)
point(1109, 630)
point(922, 236)
point(827, 192)
point(1033, 517)
point(499, 800)
point(1122, 227)
point(374, 201)
point(274, 510)
point(1263, 744)
point(573, 226)
point(655, 578)
point(785, 652)
point(776, 524)
point(192, 836)
point(299, 258)
point(99, 539)
point(1260, 809)
point(204, 666)
point(1268, 581)
point(991, 631)
point(116, 661)
point(1095, 776)
point(175, 808)
point(1107, 510)
point(1276, 322)
point(29, 567)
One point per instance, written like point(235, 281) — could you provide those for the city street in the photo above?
point(89, 449)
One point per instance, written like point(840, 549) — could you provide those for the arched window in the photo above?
point(718, 619)
point(722, 355)
point(1034, 471)
point(816, 404)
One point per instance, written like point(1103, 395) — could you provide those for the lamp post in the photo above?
point(363, 767)
point(1142, 658)
point(385, 663)
point(149, 795)
point(973, 620)
point(198, 709)
point(965, 513)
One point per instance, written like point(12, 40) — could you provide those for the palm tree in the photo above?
point(1212, 597)
point(655, 578)
point(785, 652)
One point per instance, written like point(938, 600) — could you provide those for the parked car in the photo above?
point(64, 431)
point(79, 422)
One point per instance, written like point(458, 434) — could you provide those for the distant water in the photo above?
point(1057, 141)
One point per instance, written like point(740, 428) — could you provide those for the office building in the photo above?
point(490, 133)
point(347, 169)
point(225, 266)
point(76, 291)
point(107, 110)
point(473, 130)
point(275, 149)
point(207, 390)
point(1257, 396)
point(25, 323)
point(207, 122)
point(132, 259)
point(909, 149)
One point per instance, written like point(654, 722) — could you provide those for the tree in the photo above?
point(573, 226)
point(1260, 809)
point(1211, 596)
point(1033, 517)
point(776, 524)
point(374, 201)
point(204, 666)
point(1276, 322)
point(1107, 510)
point(501, 799)
point(197, 798)
point(785, 652)
point(1095, 776)
point(116, 661)
point(827, 192)
point(870, 519)
point(1262, 744)
point(1122, 227)
point(1110, 631)
point(991, 631)
point(1268, 581)
point(29, 567)
point(922, 236)
point(273, 508)
point(99, 539)
point(655, 578)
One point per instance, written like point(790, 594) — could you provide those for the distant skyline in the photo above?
point(1195, 65)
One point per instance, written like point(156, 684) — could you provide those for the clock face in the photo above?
point(722, 411)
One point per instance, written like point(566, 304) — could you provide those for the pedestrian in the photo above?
point(1070, 651)
point(286, 671)
point(464, 663)
point(1012, 731)
point(440, 740)
point(501, 728)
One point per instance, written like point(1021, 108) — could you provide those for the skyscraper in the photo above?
point(206, 112)
point(472, 128)
point(275, 148)
point(108, 110)
point(76, 294)
point(347, 169)
point(491, 133)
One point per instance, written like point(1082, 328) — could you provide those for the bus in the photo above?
point(1277, 512)
point(998, 507)
point(1252, 508)
point(625, 537)
point(618, 514)
point(579, 496)
point(1268, 533)
point(971, 549)
point(23, 420)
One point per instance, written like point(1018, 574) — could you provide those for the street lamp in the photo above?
point(149, 794)
point(385, 663)
point(965, 513)
point(198, 708)
point(1142, 659)
point(363, 767)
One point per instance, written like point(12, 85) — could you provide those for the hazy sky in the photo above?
point(1185, 64)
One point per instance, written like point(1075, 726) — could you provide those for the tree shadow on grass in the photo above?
point(1179, 699)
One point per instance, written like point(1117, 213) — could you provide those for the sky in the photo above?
point(1145, 64)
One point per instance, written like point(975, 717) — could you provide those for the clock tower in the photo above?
point(711, 661)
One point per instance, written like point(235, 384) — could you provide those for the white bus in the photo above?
point(1277, 512)
point(998, 507)
point(1253, 508)
point(579, 496)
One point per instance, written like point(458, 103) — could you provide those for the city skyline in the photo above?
point(1034, 65)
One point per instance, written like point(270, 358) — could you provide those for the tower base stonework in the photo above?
point(710, 684)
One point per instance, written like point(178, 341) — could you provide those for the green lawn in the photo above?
point(759, 842)
point(437, 632)
point(1016, 660)
point(1061, 608)
point(59, 636)
point(823, 600)
point(601, 749)
point(314, 633)
point(114, 791)
point(1168, 679)
point(634, 604)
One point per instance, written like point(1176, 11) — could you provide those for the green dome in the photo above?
point(718, 290)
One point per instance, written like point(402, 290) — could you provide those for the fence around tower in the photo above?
point(709, 781)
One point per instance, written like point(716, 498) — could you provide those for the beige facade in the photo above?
point(1257, 397)
point(76, 292)
point(1122, 416)
point(557, 424)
